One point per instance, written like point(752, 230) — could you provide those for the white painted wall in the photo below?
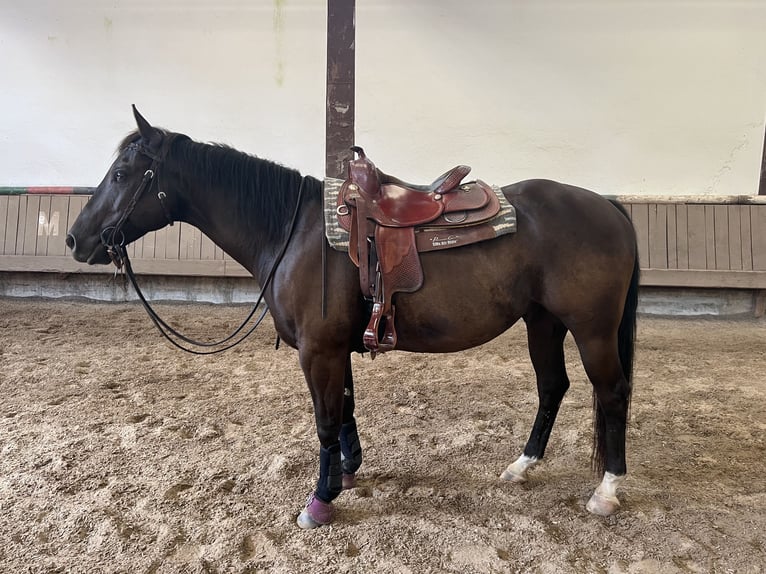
point(623, 96)
point(250, 73)
point(651, 96)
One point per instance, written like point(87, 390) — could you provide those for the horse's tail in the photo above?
point(626, 340)
point(626, 334)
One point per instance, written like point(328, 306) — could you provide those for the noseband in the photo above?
point(112, 237)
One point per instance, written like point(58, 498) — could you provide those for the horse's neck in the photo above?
point(219, 216)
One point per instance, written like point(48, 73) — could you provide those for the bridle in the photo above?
point(113, 239)
point(110, 234)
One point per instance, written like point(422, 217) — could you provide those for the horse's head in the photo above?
point(129, 202)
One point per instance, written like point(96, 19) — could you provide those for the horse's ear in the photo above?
point(151, 136)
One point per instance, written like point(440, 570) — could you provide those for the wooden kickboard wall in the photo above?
point(694, 244)
point(683, 242)
point(33, 233)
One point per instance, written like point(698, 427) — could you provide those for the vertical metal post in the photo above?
point(339, 134)
point(762, 184)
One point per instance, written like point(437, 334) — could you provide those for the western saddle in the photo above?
point(391, 221)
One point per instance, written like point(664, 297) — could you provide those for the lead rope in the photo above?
point(167, 330)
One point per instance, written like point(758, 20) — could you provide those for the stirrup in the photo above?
point(371, 339)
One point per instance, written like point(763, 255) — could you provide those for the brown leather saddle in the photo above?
point(390, 221)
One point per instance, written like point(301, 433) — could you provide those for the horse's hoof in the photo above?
point(349, 481)
point(602, 505)
point(317, 513)
point(512, 476)
point(306, 522)
point(517, 470)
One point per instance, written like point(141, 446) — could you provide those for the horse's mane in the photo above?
point(265, 192)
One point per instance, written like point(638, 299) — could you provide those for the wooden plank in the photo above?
point(65, 264)
point(672, 237)
point(735, 237)
point(76, 205)
point(657, 235)
point(207, 248)
point(31, 213)
point(15, 242)
point(690, 199)
point(721, 236)
point(234, 269)
point(212, 268)
point(758, 233)
point(160, 243)
point(3, 219)
point(746, 238)
point(45, 225)
point(134, 249)
point(189, 242)
point(196, 252)
point(709, 237)
point(172, 242)
point(184, 239)
point(696, 236)
point(59, 213)
point(701, 278)
point(640, 216)
point(682, 237)
point(762, 182)
point(138, 247)
point(184, 268)
point(149, 246)
point(52, 264)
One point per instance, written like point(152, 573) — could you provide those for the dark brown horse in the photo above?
point(571, 267)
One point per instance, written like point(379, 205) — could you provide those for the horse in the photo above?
point(572, 267)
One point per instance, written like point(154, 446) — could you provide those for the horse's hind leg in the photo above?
point(350, 447)
point(611, 400)
point(545, 334)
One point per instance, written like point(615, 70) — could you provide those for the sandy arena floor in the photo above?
point(122, 454)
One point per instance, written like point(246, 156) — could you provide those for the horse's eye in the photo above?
point(119, 176)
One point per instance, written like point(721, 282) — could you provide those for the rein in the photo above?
point(119, 256)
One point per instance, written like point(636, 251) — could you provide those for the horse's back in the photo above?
point(554, 212)
point(573, 253)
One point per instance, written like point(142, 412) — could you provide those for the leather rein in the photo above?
point(113, 238)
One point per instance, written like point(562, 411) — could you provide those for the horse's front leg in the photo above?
point(325, 374)
point(350, 446)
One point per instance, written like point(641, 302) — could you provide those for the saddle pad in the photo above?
point(504, 222)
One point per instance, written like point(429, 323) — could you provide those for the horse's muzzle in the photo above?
point(81, 252)
point(71, 242)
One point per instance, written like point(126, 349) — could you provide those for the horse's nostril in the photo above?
point(70, 241)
